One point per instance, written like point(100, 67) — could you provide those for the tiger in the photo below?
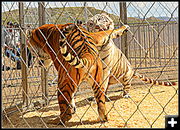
point(103, 22)
point(116, 67)
point(73, 51)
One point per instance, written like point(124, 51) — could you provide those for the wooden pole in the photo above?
point(123, 17)
point(44, 72)
point(23, 54)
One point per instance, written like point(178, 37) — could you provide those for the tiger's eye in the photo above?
point(91, 24)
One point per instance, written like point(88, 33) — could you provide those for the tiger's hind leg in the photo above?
point(100, 100)
point(106, 86)
point(126, 82)
point(66, 100)
point(98, 89)
point(126, 90)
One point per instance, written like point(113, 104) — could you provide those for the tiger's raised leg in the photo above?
point(103, 37)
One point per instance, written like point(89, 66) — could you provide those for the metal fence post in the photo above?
point(123, 17)
point(23, 54)
point(85, 13)
point(44, 72)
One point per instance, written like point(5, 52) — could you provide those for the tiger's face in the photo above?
point(100, 22)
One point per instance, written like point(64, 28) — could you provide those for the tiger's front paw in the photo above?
point(126, 95)
point(126, 27)
point(102, 118)
point(65, 118)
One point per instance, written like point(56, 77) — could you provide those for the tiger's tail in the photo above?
point(153, 81)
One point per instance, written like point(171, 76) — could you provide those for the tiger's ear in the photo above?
point(104, 14)
point(79, 22)
point(69, 27)
point(73, 26)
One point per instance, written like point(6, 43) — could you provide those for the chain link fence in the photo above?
point(29, 91)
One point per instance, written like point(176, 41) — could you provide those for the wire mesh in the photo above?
point(152, 49)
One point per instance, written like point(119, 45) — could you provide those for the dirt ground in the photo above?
point(146, 108)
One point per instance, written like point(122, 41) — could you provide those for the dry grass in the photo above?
point(145, 109)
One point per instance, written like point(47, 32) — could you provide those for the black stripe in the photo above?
point(66, 91)
point(37, 35)
point(125, 79)
point(63, 102)
point(92, 43)
point(77, 63)
point(66, 85)
point(105, 67)
point(85, 32)
point(61, 43)
point(99, 95)
point(60, 89)
point(94, 84)
point(145, 79)
point(40, 35)
point(105, 57)
point(117, 68)
point(65, 33)
point(79, 48)
point(97, 68)
point(151, 81)
point(65, 54)
point(75, 42)
point(92, 49)
point(71, 87)
point(101, 101)
point(74, 36)
point(77, 75)
point(104, 49)
point(96, 89)
point(104, 44)
point(50, 29)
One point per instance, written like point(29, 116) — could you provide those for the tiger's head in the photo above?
point(100, 22)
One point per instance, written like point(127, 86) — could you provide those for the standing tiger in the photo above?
point(73, 51)
point(116, 67)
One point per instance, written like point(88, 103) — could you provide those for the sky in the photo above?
point(134, 9)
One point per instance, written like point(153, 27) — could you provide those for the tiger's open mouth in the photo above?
point(100, 28)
